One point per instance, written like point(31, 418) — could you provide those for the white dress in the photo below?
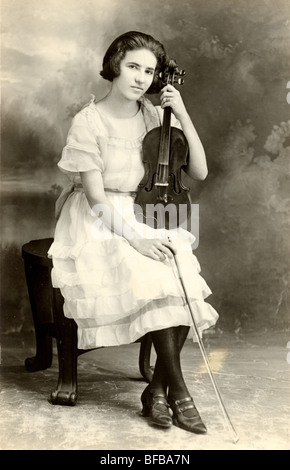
point(115, 294)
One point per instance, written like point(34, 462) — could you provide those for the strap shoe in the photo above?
point(156, 406)
point(193, 422)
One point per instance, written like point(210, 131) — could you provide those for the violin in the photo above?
point(163, 198)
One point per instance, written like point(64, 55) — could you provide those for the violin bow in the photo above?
point(204, 355)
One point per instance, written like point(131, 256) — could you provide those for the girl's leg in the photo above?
point(154, 397)
point(168, 344)
point(159, 382)
point(168, 375)
point(182, 335)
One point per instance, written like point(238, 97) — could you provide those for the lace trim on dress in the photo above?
point(149, 111)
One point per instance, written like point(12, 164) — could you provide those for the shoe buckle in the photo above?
point(183, 400)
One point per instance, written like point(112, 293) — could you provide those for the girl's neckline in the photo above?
point(107, 115)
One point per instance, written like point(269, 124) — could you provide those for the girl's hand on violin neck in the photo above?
point(171, 97)
point(157, 249)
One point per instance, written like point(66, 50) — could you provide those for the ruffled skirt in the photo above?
point(115, 294)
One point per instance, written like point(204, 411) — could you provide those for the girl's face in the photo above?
point(136, 74)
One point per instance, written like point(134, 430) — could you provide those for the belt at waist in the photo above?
point(79, 187)
point(120, 193)
point(70, 188)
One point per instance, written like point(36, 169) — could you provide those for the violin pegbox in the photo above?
point(172, 75)
point(177, 77)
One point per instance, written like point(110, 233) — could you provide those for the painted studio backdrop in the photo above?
point(236, 55)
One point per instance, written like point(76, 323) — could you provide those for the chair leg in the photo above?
point(144, 358)
point(66, 338)
point(38, 282)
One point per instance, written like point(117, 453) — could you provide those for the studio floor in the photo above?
point(252, 374)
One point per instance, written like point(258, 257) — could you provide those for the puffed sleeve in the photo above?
point(82, 150)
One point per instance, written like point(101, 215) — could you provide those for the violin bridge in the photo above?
point(161, 184)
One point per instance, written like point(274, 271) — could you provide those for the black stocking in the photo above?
point(168, 344)
point(182, 335)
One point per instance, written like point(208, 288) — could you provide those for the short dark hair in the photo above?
point(128, 42)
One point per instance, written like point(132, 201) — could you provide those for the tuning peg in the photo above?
point(180, 81)
point(181, 72)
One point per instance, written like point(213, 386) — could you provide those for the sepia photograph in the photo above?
point(145, 220)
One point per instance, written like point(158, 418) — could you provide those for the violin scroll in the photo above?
point(171, 74)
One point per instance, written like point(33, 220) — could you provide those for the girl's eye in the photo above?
point(132, 66)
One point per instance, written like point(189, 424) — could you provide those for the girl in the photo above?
point(117, 275)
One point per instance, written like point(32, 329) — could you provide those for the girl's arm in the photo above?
point(94, 190)
point(197, 166)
